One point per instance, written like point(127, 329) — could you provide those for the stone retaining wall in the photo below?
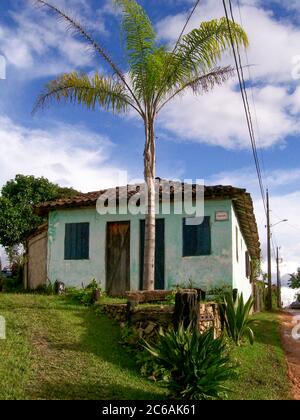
point(209, 317)
point(117, 311)
point(147, 320)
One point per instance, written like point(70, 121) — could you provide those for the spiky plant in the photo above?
point(153, 78)
point(236, 315)
point(198, 365)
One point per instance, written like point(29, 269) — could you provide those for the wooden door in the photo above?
point(159, 253)
point(37, 260)
point(117, 258)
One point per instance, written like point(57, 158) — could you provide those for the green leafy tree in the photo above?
point(154, 77)
point(18, 197)
point(294, 281)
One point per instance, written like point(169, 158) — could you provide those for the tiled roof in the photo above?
point(241, 200)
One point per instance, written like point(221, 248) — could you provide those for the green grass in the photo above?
point(57, 350)
point(108, 300)
point(262, 371)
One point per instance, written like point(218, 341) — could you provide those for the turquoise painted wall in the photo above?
point(204, 271)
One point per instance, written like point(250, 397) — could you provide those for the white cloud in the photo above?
point(69, 155)
point(277, 180)
point(271, 48)
point(284, 205)
point(218, 118)
point(39, 44)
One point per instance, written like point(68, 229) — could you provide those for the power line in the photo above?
point(189, 17)
point(297, 227)
point(186, 24)
point(249, 111)
point(240, 73)
point(252, 96)
point(294, 226)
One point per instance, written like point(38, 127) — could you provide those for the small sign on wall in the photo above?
point(222, 216)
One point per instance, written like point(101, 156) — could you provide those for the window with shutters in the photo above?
point(77, 238)
point(196, 238)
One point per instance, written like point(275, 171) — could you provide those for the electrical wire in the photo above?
point(252, 97)
point(186, 24)
point(240, 73)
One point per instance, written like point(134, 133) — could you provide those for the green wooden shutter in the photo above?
point(77, 241)
point(159, 253)
point(197, 238)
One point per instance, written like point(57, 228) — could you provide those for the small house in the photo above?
point(83, 244)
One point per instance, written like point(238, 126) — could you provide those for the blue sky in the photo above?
point(203, 137)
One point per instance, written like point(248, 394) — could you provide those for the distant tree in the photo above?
point(294, 281)
point(17, 201)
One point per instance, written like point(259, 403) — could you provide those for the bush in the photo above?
point(11, 284)
point(130, 337)
point(1, 283)
point(150, 368)
point(45, 289)
point(197, 365)
point(217, 293)
point(85, 296)
point(236, 314)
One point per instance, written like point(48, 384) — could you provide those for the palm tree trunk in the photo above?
point(149, 174)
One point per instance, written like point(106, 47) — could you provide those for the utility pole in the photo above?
point(278, 261)
point(269, 299)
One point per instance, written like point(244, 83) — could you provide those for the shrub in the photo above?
point(236, 316)
point(1, 283)
point(217, 293)
point(130, 337)
point(197, 365)
point(12, 284)
point(87, 295)
point(45, 289)
point(150, 368)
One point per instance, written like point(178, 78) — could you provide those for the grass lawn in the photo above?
point(58, 350)
point(262, 372)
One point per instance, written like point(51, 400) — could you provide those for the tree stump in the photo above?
point(186, 309)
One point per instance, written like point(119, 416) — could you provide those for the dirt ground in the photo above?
point(292, 349)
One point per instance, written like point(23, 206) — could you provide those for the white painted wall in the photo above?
point(240, 281)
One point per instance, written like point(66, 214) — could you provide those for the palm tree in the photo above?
point(154, 77)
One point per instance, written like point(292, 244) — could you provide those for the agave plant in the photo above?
point(198, 365)
point(236, 316)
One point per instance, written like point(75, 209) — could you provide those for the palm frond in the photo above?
point(198, 52)
point(140, 45)
point(84, 90)
point(202, 47)
point(79, 29)
point(201, 84)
